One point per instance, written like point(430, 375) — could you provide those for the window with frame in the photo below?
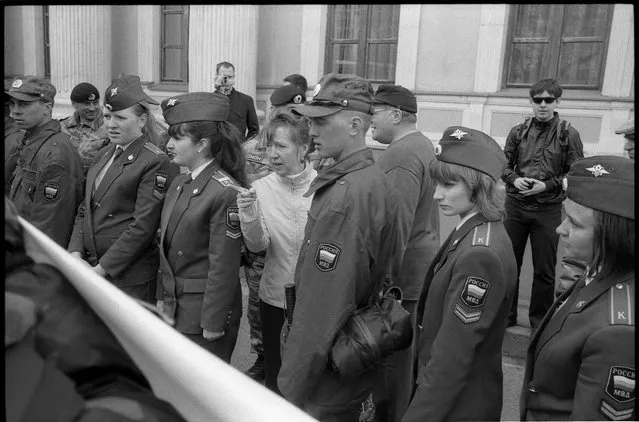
point(47, 43)
point(361, 39)
point(174, 44)
point(566, 42)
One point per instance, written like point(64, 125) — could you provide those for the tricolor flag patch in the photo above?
point(621, 384)
point(160, 180)
point(232, 218)
point(614, 414)
point(467, 317)
point(326, 256)
point(50, 191)
point(475, 291)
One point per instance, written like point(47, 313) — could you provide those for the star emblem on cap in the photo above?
point(171, 102)
point(458, 134)
point(114, 91)
point(91, 97)
point(17, 83)
point(597, 170)
point(317, 89)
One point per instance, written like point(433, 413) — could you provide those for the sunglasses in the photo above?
point(547, 100)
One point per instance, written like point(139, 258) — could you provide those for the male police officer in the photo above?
point(405, 163)
point(47, 182)
point(86, 126)
point(347, 249)
point(628, 131)
point(12, 136)
point(243, 114)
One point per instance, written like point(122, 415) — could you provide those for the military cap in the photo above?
point(627, 128)
point(32, 88)
point(336, 92)
point(84, 91)
point(125, 92)
point(211, 106)
point(396, 96)
point(287, 94)
point(471, 148)
point(604, 183)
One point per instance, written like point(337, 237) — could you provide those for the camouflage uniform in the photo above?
point(88, 137)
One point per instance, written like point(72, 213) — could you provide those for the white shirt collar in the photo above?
point(199, 169)
point(124, 147)
point(463, 220)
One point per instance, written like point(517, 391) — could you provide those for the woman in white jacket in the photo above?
point(273, 215)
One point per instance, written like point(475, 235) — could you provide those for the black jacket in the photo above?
point(243, 114)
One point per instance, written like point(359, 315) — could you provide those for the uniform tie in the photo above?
point(100, 176)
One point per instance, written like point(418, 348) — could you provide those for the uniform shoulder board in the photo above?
point(481, 235)
point(153, 148)
point(224, 179)
point(622, 304)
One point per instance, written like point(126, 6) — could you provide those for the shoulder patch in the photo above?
point(621, 384)
point(481, 235)
point(224, 179)
point(622, 305)
point(153, 148)
point(475, 292)
point(465, 316)
point(326, 256)
point(613, 414)
point(160, 180)
point(50, 191)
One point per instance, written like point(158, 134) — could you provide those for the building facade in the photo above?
point(468, 64)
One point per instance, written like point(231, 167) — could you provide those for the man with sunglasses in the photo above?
point(540, 152)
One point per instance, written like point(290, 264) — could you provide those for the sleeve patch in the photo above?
point(158, 194)
point(613, 414)
point(160, 180)
point(465, 316)
point(50, 191)
point(326, 256)
point(621, 384)
point(475, 292)
point(232, 218)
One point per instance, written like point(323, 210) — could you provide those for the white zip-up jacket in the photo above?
point(275, 223)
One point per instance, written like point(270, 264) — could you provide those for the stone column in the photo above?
point(80, 47)
point(408, 45)
point(620, 63)
point(490, 50)
point(313, 43)
point(223, 33)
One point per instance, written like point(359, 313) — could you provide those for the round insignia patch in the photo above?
point(317, 89)
point(91, 97)
point(438, 149)
point(17, 83)
point(475, 291)
point(297, 99)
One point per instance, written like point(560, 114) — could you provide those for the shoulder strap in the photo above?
point(562, 135)
point(622, 304)
point(153, 148)
point(521, 133)
point(224, 179)
point(481, 235)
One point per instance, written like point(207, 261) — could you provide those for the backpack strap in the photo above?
point(562, 135)
point(521, 134)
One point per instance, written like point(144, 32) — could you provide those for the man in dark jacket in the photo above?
point(48, 179)
point(539, 152)
point(243, 114)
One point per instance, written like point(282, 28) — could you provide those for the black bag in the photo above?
point(371, 334)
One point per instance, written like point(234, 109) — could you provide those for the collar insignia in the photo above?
point(597, 170)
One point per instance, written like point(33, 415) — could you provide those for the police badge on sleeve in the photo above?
point(475, 291)
point(50, 191)
point(621, 384)
point(233, 223)
point(326, 256)
point(160, 180)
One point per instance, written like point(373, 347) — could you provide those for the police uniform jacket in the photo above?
point(47, 181)
point(200, 241)
point(350, 238)
point(581, 359)
point(406, 162)
point(116, 224)
point(242, 114)
point(462, 312)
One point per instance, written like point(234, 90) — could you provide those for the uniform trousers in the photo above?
point(272, 319)
point(223, 347)
point(539, 221)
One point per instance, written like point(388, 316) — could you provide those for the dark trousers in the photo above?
point(392, 396)
point(272, 320)
point(539, 221)
point(222, 347)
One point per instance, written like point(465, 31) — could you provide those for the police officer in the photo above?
point(581, 359)
point(86, 126)
point(628, 131)
point(12, 136)
point(349, 242)
point(405, 163)
point(200, 234)
point(463, 306)
point(117, 222)
point(47, 182)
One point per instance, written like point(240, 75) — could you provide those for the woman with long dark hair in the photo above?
point(200, 235)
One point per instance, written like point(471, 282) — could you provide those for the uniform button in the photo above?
point(110, 215)
point(532, 389)
point(619, 286)
point(341, 182)
point(308, 242)
point(97, 204)
point(180, 253)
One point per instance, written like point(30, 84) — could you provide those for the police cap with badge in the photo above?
point(32, 88)
point(471, 148)
point(396, 96)
point(336, 92)
point(604, 183)
point(287, 94)
point(125, 92)
point(84, 91)
point(196, 106)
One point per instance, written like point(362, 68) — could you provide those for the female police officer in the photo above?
point(581, 360)
point(464, 303)
point(125, 188)
point(200, 235)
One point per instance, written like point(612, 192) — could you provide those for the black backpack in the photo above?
point(562, 135)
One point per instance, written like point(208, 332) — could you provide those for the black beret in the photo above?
point(211, 106)
point(336, 92)
point(288, 94)
point(125, 92)
point(603, 182)
point(396, 96)
point(471, 148)
point(84, 92)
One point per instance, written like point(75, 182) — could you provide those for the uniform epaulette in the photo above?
point(224, 179)
point(481, 235)
point(622, 304)
point(153, 148)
